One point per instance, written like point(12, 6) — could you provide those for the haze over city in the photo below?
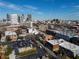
point(41, 9)
point(39, 29)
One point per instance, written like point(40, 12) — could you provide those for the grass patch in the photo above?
point(9, 51)
point(28, 52)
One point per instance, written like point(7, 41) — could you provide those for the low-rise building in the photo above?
point(70, 49)
point(54, 45)
point(12, 36)
point(43, 27)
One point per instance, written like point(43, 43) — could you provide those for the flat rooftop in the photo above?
point(67, 45)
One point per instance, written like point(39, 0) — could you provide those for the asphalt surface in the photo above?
point(32, 57)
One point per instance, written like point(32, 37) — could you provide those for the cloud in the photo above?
point(9, 5)
point(30, 7)
point(40, 12)
point(24, 8)
point(76, 6)
point(2, 4)
point(16, 7)
point(12, 6)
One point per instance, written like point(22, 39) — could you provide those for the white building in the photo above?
point(69, 46)
point(66, 45)
point(12, 55)
point(14, 18)
point(33, 31)
point(8, 33)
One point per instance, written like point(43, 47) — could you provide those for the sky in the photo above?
point(41, 9)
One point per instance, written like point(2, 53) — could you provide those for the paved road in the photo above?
point(34, 56)
point(46, 49)
point(44, 57)
point(49, 51)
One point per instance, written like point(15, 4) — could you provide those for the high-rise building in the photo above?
point(4, 20)
point(14, 19)
point(22, 17)
point(19, 19)
point(29, 17)
point(8, 17)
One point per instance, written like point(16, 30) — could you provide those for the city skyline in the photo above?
point(41, 9)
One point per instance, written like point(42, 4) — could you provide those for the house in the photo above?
point(43, 27)
point(70, 49)
point(32, 31)
point(10, 35)
point(54, 45)
point(12, 27)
